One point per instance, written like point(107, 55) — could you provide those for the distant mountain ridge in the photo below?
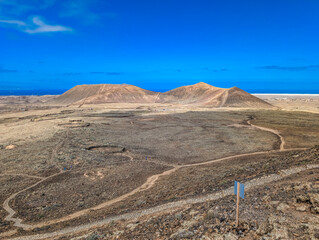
point(197, 94)
point(106, 93)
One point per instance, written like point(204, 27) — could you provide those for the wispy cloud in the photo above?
point(18, 7)
point(289, 68)
point(76, 8)
point(85, 11)
point(41, 27)
point(114, 73)
point(37, 25)
point(214, 70)
point(107, 73)
point(3, 70)
point(97, 72)
point(71, 73)
point(88, 11)
point(92, 73)
point(14, 22)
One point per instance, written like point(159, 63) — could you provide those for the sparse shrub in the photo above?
point(210, 215)
point(179, 216)
point(94, 236)
point(224, 181)
point(140, 202)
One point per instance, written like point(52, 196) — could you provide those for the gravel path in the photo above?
point(172, 205)
point(148, 184)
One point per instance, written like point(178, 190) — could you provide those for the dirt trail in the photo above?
point(276, 132)
point(55, 151)
point(172, 205)
point(148, 184)
point(17, 221)
point(125, 154)
point(11, 212)
point(240, 155)
point(224, 99)
point(20, 174)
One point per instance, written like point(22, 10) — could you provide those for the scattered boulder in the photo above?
point(279, 232)
point(11, 146)
point(302, 208)
point(314, 199)
point(216, 237)
point(264, 228)
point(182, 234)
point(302, 198)
point(230, 236)
point(179, 216)
point(282, 207)
point(131, 226)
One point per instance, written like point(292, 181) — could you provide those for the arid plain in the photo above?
point(158, 170)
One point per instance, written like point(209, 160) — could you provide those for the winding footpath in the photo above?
point(147, 185)
point(17, 221)
point(170, 206)
point(276, 132)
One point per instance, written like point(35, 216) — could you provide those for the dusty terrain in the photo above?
point(165, 169)
point(293, 102)
point(24, 103)
point(284, 209)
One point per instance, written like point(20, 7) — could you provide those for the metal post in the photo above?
point(237, 209)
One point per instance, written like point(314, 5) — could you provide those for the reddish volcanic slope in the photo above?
point(106, 93)
point(205, 94)
point(197, 94)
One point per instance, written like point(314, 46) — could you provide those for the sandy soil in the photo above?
point(124, 157)
point(293, 102)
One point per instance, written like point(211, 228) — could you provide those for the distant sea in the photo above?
point(40, 92)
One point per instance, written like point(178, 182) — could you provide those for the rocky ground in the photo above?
point(101, 154)
point(77, 190)
point(85, 149)
point(8, 185)
point(187, 183)
point(24, 103)
point(286, 209)
point(297, 128)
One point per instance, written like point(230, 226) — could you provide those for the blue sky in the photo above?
point(48, 46)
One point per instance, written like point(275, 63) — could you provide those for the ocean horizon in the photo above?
point(40, 92)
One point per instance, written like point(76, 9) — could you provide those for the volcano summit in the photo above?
point(197, 94)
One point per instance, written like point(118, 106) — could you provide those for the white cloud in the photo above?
point(16, 22)
point(88, 12)
point(37, 26)
point(18, 7)
point(42, 27)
